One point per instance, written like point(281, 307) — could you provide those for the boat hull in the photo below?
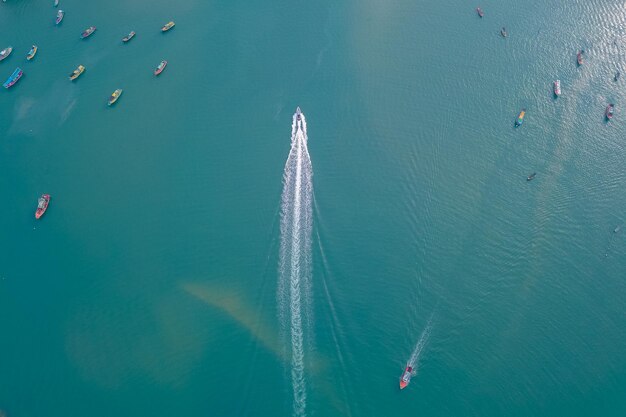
point(87, 33)
point(32, 53)
point(128, 37)
point(14, 78)
point(114, 97)
point(6, 53)
point(160, 68)
point(41, 210)
point(168, 26)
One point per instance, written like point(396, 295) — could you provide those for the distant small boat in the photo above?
point(77, 72)
point(609, 111)
point(503, 32)
point(531, 176)
point(42, 205)
point(88, 32)
point(56, 3)
point(129, 36)
point(579, 57)
point(167, 26)
point(406, 377)
point(617, 229)
point(13, 78)
point(617, 74)
point(557, 88)
point(160, 68)
point(520, 118)
point(60, 16)
point(115, 96)
point(4, 54)
point(32, 52)
point(480, 12)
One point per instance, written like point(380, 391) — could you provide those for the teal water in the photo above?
point(150, 286)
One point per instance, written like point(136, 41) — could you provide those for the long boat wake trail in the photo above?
point(294, 274)
point(411, 365)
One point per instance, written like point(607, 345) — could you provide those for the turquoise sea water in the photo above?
point(149, 288)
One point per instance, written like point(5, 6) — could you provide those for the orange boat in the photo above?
point(406, 377)
point(42, 205)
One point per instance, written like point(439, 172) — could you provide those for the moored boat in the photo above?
point(42, 205)
point(115, 96)
point(56, 3)
point(160, 68)
point(168, 26)
point(579, 57)
point(60, 16)
point(531, 176)
point(480, 12)
point(520, 118)
point(616, 77)
point(609, 111)
point(503, 32)
point(4, 54)
point(557, 88)
point(406, 377)
point(77, 72)
point(31, 53)
point(128, 37)
point(13, 78)
point(88, 32)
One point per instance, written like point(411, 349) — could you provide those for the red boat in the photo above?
point(480, 12)
point(42, 205)
point(609, 111)
point(579, 57)
point(406, 377)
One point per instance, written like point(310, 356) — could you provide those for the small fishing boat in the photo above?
point(617, 74)
point(167, 26)
point(557, 88)
point(42, 205)
point(531, 176)
point(128, 37)
point(88, 32)
point(503, 32)
point(617, 229)
point(32, 52)
point(609, 111)
point(10, 82)
point(480, 12)
point(4, 54)
point(115, 96)
point(77, 72)
point(579, 57)
point(160, 68)
point(520, 118)
point(56, 3)
point(406, 377)
point(60, 16)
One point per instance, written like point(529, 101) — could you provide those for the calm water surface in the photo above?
point(150, 286)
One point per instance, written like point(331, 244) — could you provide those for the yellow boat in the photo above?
point(77, 72)
point(32, 52)
point(115, 96)
point(167, 26)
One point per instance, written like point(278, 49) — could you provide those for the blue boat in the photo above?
point(17, 74)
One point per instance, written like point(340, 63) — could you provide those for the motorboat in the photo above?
point(160, 68)
point(480, 12)
point(531, 176)
point(557, 88)
point(167, 26)
point(520, 118)
point(88, 32)
point(115, 96)
point(60, 16)
point(609, 111)
point(579, 57)
point(406, 377)
point(4, 54)
point(32, 52)
point(77, 72)
point(13, 78)
point(128, 37)
point(42, 205)
point(503, 32)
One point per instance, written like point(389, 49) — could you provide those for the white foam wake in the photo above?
point(419, 346)
point(294, 280)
